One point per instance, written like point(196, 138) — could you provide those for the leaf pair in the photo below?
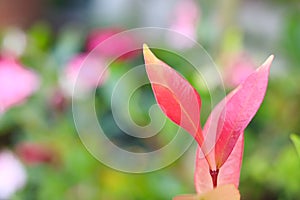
point(221, 141)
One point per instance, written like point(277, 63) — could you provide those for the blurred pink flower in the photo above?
point(121, 46)
point(85, 72)
point(35, 153)
point(185, 20)
point(12, 174)
point(237, 69)
point(16, 83)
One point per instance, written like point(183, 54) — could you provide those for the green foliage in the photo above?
point(296, 140)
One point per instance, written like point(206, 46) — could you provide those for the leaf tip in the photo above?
point(146, 50)
point(269, 61)
point(293, 136)
point(145, 47)
point(148, 55)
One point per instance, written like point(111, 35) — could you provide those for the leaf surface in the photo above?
point(175, 96)
point(229, 173)
point(239, 111)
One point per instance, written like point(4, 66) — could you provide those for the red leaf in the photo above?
point(205, 158)
point(208, 157)
point(239, 111)
point(202, 179)
point(229, 173)
point(210, 131)
point(175, 96)
point(219, 156)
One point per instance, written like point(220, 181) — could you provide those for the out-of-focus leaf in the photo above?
point(225, 192)
point(40, 36)
point(176, 97)
point(296, 140)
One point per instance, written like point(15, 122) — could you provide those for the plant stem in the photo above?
point(214, 176)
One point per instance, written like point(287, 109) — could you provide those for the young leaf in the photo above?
point(229, 173)
point(225, 192)
point(210, 131)
point(205, 159)
point(296, 140)
point(207, 156)
point(175, 96)
point(239, 111)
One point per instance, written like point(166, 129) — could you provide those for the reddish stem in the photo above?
point(214, 176)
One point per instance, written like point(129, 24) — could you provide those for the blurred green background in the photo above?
point(40, 132)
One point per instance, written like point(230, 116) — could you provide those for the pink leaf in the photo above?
point(229, 173)
point(207, 156)
point(202, 178)
point(239, 111)
point(210, 131)
point(175, 96)
point(220, 151)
